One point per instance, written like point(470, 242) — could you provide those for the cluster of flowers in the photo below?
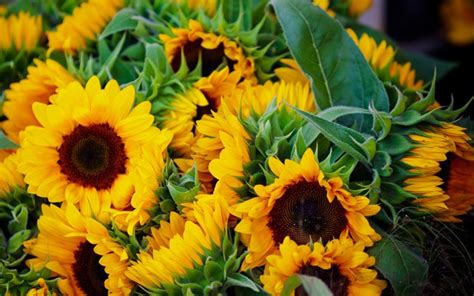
point(178, 148)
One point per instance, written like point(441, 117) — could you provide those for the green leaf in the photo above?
point(291, 284)
point(330, 114)
point(213, 271)
point(241, 280)
point(345, 138)
point(235, 9)
point(19, 220)
point(324, 51)
point(314, 286)
point(405, 269)
point(16, 241)
point(5, 143)
point(395, 144)
point(122, 21)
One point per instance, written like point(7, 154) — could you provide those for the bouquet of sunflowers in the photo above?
point(234, 147)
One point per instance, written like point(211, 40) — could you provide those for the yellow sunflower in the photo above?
point(3, 10)
point(224, 140)
point(43, 80)
point(341, 264)
point(83, 150)
point(79, 250)
point(302, 204)
point(458, 18)
point(86, 22)
point(291, 73)
point(184, 252)
point(40, 289)
point(442, 160)
point(160, 237)
point(358, 7)
point(324, 5)
point(22, 31)
point(214, 50)
point(146, 177)
point(381, 58)
point(9, 175)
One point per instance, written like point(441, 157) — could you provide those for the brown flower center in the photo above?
point(211, 59)
point(305, 214)
point(92, 156)
point(332, 277)
point(87, 271)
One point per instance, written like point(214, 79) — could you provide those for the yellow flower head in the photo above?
point(381, 58)
point(9, 175)
point(41, 289)
point(43, 80)
point(80, 251)
point(84, 149)
point(442, 160)
point(458, 18)
point(224, 141)
point(22, 31)
point(302, 204)
point(341, 264)
point(85, 23)
point(184, 251)
point(358, 7)
point(146, 176)
point(214, 50)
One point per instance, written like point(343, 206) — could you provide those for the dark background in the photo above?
point(416, 25)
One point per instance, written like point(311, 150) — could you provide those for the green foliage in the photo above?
point(405, 269)
point(19, 213)
point(337, 70)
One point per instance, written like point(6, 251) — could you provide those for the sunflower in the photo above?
point(10, 178)
point(458, 19)
point(22, 31)
point(324, 5)
point(381, 59)
point(225, 141)
point(186, 252)
point(341, 264)
point(441, 162)
point(79, 250)
point(147, 176)
point(291, 72)
point(214, 50)
point(302, 204)
point(160, 237)
point(358, 7)
point(83, 150)
point(43, 80)
point(40, 289)
point(458, 167)
point(86, 22)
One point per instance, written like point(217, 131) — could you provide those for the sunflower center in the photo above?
point(305, 214)
point(211, 59)
point(92, 156)
point(87, 271)
point(332, 277)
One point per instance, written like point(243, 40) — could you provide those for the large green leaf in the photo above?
point(324, 51)
point(359, 146)
point(405, 269)
point(122, 21)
